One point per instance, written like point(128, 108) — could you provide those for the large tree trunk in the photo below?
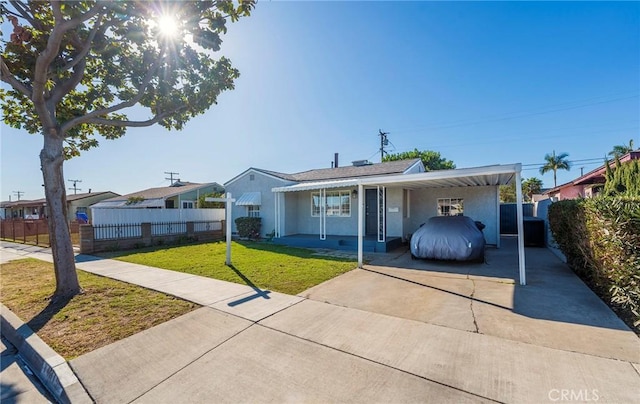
point(51, 160)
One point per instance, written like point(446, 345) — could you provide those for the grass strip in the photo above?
point(106, 312)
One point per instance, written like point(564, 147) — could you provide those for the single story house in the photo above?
point(179, 195)
point(370, 206)
point(589, 184)
point(77, 206)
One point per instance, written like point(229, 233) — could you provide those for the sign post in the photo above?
point(228, 205)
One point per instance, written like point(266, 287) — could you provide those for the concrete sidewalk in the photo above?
point(249, 345)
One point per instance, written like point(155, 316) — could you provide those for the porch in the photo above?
point(345, 243)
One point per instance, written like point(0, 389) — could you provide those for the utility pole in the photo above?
point(171, 174)
point(383, 142)
point(581, 171)
point(75, 189)
point(19, 193)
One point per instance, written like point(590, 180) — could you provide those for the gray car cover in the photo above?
point(448, 238)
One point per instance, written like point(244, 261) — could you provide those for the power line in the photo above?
point(515, 115)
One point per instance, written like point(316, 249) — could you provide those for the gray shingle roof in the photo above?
point(161, 192)
point(325, 174)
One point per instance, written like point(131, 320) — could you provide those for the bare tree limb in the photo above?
point(9, 78)
point(23, 13)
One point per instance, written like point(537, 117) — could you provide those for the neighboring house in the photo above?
point(77, 206)
point(398, 196)
point(589, 184)
point(179, 195)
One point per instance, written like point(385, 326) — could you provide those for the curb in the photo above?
point(51, 368)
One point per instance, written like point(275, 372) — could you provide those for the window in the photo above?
point(450, 206)
point(187, 204)
point(337, 203)
point(252, 177)
point(253, 210)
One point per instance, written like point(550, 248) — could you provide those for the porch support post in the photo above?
point(323, 214)
point(360, 223)
point(519, 214)
point(498, 216)
point(277, 207)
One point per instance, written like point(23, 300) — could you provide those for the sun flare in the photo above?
point(168, 25)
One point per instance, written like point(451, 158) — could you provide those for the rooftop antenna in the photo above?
point(19, 193)
point(75, 188)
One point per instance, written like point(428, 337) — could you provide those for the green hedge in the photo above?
point(248, 227)
point(601, 239)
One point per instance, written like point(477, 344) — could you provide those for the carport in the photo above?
point(494, 175)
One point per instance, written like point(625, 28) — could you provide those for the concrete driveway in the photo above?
point(555, 309)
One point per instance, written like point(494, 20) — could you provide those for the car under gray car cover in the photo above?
point(448, 238)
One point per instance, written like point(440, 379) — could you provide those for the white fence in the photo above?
point(136, 216)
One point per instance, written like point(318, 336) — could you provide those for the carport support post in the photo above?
point(360, 223)
point(519, 214)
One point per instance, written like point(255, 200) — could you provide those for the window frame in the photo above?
point(337, 209)
point(442, 203)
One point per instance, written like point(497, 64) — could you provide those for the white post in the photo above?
point(228, 206)
point(519, 214)
point(228, 220)
point(360, 224)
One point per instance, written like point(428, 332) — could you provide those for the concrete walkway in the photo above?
point(249, 345)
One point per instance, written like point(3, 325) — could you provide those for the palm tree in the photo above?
point(531, 186)
point(620, 150)
point(554, 163)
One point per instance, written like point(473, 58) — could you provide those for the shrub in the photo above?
point(601, 239)
point(248, 227)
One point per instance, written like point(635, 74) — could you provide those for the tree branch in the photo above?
point(125, 104)
point(63, 89)
point(23, 13)
point(134, 124)
point(47, 56)
point(7, 77)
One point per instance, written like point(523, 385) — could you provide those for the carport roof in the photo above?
point(501, 174)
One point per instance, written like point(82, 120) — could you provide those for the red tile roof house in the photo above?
point(366, 206)
point(589, 184)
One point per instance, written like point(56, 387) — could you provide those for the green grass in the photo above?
point(106, 311)
point(268, 266)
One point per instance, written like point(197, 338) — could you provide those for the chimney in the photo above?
point(335, 160)
point(89, 190)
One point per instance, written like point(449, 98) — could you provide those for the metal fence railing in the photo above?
point(116, 231)
point(209, 225)
point(163, 229)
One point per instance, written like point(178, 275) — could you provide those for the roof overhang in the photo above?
point(494, 175)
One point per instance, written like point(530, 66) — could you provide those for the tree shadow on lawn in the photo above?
point(53, 308)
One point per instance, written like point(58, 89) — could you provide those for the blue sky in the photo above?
point(480, 82)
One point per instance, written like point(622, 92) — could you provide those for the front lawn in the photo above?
point(268, 266)
point(107, 310)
